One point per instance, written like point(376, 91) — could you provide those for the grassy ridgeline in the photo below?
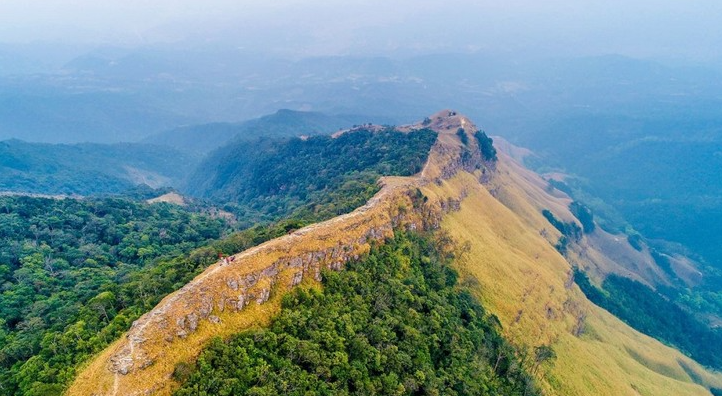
point(76, 273)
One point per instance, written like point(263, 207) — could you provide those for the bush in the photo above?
point(462, 136)
point(584, 215)
point(570, 230)
point(486, 146)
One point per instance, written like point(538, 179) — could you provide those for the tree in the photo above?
point(543, 354)
point(486, 146)
point(102, 303)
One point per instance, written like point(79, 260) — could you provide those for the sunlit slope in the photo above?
point(599, 253)
point(522, 279)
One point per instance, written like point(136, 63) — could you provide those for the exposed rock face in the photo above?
point(276, 266)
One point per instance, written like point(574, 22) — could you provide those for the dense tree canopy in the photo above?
point(75, 273)
point(87, 169)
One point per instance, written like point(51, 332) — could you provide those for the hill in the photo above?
point(85, 169)
point(506, 224)
point(272, 179)
point(284, 123)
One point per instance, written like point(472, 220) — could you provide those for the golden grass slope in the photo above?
point(522, 279)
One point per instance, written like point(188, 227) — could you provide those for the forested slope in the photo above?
point(321, 176)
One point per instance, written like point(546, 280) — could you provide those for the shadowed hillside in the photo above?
point(86, 169)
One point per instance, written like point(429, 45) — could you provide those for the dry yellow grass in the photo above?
point(525, 282)
point(97, 380)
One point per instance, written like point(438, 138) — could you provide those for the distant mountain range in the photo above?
point(284, 123)
point(167, 159)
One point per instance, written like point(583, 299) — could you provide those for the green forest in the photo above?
point(76, 273)
point(319, 177)
point(394, 323)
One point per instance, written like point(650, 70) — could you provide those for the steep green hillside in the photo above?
point(317, 177)
point(86, 169)
point(283, 123)
point(76, 273)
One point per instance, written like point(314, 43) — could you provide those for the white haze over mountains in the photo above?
point(672, 30)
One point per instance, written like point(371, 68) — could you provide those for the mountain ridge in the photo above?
point(283, 123)
point(493, 210)
point(121, 365)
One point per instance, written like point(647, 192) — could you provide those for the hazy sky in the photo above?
point(662, 28)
